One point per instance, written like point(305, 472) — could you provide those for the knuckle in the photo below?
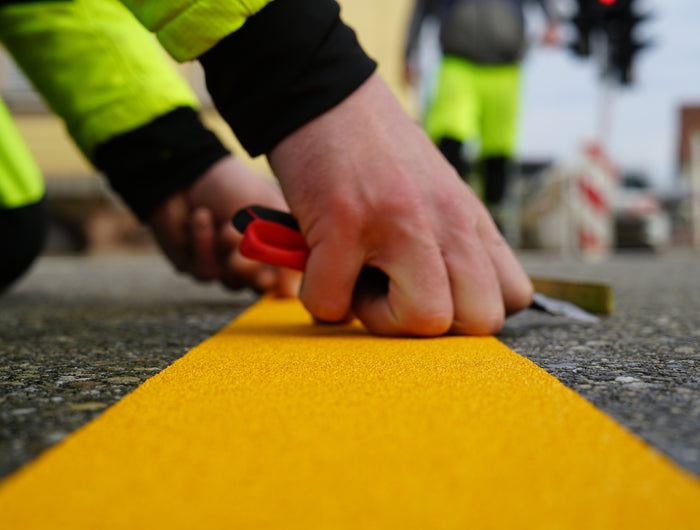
point(483, 324)
point(324, 310)
point(517, 293)
point(520, 297)
point(426, 323)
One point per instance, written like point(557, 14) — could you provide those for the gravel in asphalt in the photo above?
point(641, 365)
point(79, 333)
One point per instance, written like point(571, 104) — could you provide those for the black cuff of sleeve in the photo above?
point(147, 165)
point(290, 62)
point(23, 232)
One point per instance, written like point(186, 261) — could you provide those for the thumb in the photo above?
point(387, 308)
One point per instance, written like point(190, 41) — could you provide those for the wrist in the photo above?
point(149, 164)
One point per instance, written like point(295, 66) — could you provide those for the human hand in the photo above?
point(369, 188)
point(551, 36)
point(194, 229)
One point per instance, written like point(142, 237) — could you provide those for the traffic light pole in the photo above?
point(607, 89)
point(605, 30)
point(606, 99)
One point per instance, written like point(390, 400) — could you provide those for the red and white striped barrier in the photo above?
point(594, 180)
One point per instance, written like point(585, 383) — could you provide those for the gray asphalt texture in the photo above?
point(77, 334)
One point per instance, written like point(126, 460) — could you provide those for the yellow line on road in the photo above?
point(274, 423)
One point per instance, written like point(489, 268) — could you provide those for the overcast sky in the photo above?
point(562, 95)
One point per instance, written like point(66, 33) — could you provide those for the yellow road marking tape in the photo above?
point(274, 423)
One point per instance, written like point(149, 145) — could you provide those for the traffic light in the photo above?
point(606, 28)
point(588, 22)
point(585, 21)
point(623, 44)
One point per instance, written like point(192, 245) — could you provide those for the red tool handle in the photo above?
point(271, 236)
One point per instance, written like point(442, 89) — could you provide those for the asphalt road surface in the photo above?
point(77, 334)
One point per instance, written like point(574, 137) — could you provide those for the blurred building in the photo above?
point(689, 124)
point(689, 170)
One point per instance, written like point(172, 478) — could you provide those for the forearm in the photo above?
point(189, 28)
point(312, 64)
point(265, 87)
point(124, 104)
point(94, 64)
point(150, 163)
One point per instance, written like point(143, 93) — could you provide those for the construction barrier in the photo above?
point(571, 210)
point(593, 185)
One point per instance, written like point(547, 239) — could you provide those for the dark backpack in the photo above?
point(483, 31)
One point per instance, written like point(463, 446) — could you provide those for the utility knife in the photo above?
point(273, 236)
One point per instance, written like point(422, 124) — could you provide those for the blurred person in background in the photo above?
point(471, 105)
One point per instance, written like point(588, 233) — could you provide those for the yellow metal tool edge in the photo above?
point(592, 296)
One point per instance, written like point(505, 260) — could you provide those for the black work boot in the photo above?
point(451, 149)
point(496, 170)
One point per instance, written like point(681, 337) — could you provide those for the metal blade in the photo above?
point(556, 307)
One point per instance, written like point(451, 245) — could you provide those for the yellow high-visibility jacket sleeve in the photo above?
point(21, 182)
point(95, 64)
point(270, 66)
point(188, 28)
